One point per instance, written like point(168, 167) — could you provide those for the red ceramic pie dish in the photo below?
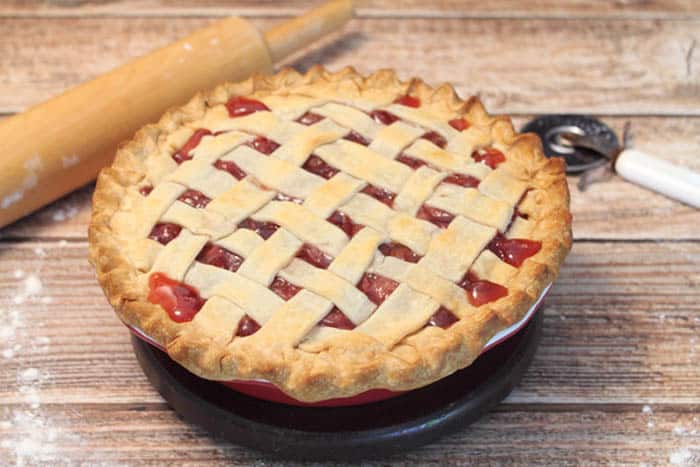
point(264, 390)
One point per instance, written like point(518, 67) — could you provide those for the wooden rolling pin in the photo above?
point(59, 145)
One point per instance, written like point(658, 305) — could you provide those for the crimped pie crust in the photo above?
point(341, 363)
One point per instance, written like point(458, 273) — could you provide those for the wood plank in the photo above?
point(611, 210)
point(622, 325)
point(373, 8)
point(589, 66)
point(151, 434)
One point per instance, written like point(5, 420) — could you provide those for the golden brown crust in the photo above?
point(357, 363)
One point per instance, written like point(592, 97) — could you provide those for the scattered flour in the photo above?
point(61, 214)
point(32, 285)
point(28, 375)
point(70, 161)
point(34, 438)
point(32, 166)
point(11, 199)
point(30, 435)
point(647, 410)
point(12, 322)
point(187, 46)
point(7, 332)
point(32, 288)
point(681, 457)
point(679, 430)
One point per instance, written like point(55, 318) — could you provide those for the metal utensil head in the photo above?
point(552, 129)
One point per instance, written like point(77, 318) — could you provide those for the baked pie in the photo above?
point(327, 232)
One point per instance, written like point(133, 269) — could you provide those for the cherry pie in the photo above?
point(328, 232)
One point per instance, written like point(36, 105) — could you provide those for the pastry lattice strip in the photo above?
point(477, 214)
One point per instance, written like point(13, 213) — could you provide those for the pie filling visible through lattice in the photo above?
point(328, 232)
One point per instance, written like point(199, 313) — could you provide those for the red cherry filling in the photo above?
point(355, 137)
point(164, 232)
point(443, 318)
point(239, 106)
point(480, 291)
point(309, 118)
point(380, 194)
point(384, 117)
point(376, 287)
point(284, 289)
point(194, 198)
point(436, 138)
point(437, 216)
point(318, 166)
point(518, 213)
point(345, 223)
point(514, 250)
point(179, 300)
point(230, 167)
point(220, 257)
point(263, 145)
point(183, 154)
point(283, 197)
point(247, 326)
point(466, 181)
point(336, 319)
point(408, 101)
point(264, 229)
point(412, 162)
point(400, 251)
point(313, 255)
point(459, 124)
point(489, 156)
point(146, 190)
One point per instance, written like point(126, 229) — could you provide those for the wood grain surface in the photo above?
point(364, 8)
point(617, 377)
point(518, 66)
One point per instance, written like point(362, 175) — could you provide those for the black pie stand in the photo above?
point(345, 433)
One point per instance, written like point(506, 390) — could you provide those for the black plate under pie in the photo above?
point(345, 433)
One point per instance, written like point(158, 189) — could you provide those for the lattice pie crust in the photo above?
point(359, 268)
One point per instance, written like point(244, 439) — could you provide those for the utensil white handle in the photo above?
point(659, 175)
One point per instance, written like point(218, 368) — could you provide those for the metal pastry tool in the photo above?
point(592, 149)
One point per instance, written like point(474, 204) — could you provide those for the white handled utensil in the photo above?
point(643, 169)
point(592, 149)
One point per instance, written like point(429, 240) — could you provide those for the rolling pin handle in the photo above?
point(656, 174)
point(293, 35)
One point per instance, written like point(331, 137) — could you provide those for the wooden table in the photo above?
point(617, 378)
